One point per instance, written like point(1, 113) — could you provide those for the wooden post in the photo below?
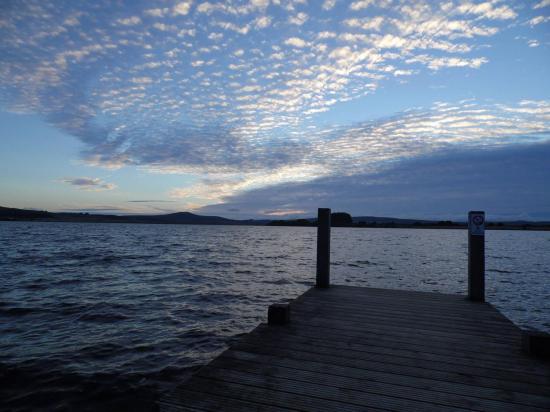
point(476, 256)
point(536, 343)
point(278, 314)
point(323, 248)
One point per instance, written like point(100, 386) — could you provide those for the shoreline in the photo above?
point(454, 226)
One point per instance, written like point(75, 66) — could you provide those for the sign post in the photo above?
point(476, 256)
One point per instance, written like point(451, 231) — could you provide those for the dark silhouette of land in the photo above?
point(339, 219)
point(346, 220)
point(185, 218)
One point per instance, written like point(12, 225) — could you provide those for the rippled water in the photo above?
point(107, 316)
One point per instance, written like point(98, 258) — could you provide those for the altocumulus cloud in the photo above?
point(89, 183)
point(376, 145)
point(235, 91)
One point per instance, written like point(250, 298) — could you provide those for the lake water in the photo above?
point(108, 316)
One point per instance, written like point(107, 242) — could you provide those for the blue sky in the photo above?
point(272, 108)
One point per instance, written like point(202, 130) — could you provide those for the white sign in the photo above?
point(476, 223)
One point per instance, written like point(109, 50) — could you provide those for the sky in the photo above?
point(273, 108)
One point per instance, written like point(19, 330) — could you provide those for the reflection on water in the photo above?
point(107, 315)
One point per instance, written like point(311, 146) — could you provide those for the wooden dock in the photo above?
point(363, 349)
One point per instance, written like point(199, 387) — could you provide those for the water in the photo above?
point(108, 316)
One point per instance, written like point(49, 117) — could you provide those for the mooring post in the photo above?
point(536, 343)
point(323, 248)
point(278, 314)
point(476, 256)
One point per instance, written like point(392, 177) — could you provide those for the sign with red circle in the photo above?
point(478, 220)
point(476, 223)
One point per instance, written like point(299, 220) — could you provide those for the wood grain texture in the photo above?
point(355, 349)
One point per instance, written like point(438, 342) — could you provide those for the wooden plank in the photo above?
point(479, 311)
point(380, 366)
point(462, 306)
point(338, 293)
point(368, 387)
point(269, 394)
point(318, 317)
point(397, 379)
point(339, 343)
point(391, 293)
point(483, 312)
point(319, 394)
point(351, 308)
point(405, 341)
point(457, 327)
point(212, 402)
point(350, 349)
point(392, 331)
point(420, 360)
point(432, 315)
point(513, 358)
point(361, 328)
point(168, 407)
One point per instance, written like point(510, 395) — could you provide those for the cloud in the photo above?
point(260, 4)
point(149, 72)
point(327, 35)
point(541, 4)
point(295, 42)
point(281, 212)
point(487, 10)
point(371, 23)
point(538, 20)
point(89, 183)
point(129, 21)
point(262, 22)
point(156, 12)
point(370, 146)
point(236, 96)
point(298, 19)
point(403, 72)
point(362, 4)
point(182, 8)
point(141, 80)
point(509, 183)
point(328, 4)
point(228, 9)
point(233, 27)
point(71, 21)
point(96, 209)
point(150, 201)
point(437, 63)
point(208, 8)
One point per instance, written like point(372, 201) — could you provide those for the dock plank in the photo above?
point(351, 348)
point(404, 379)
point(338, 344)
point(368, 387)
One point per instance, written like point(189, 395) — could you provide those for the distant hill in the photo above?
point(186, 218)
point(172, 218)
point(378, 219)
point(8, 213)
point(190, 218)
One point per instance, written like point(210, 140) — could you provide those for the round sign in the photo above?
point(477, 220)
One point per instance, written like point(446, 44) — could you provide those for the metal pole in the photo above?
point(476, 256)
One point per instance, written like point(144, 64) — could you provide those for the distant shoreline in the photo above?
point(463, 226)
point(186, 218)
